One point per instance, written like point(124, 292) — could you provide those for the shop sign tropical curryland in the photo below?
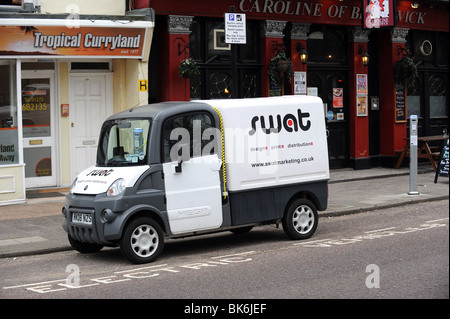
point(64, 42)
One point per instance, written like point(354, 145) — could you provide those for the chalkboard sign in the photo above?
point(442, 169)
point(400, 103)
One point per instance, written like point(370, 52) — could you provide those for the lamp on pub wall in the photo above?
point(364, 56)
point(302, 53)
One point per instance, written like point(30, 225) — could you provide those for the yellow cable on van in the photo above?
point(223, 153)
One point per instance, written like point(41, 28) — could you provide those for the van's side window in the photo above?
point(191, 131)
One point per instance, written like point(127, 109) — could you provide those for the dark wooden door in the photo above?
point(332, 87)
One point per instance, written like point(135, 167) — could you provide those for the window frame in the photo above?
point(165, 158)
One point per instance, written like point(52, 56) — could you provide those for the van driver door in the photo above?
point(191, 174)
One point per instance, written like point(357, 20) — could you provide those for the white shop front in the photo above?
point(58, 82)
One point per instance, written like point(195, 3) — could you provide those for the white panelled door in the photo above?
point(90, 104)
point(194, 201)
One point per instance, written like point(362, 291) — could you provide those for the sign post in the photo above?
point(235, 28)
point(235, 33)
point(413, 128)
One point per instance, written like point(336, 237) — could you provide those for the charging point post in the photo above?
point(413, 129)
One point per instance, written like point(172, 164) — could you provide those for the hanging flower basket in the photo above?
point(278, 66)
point(188, 69)
point(282, 66)
point(405, 69)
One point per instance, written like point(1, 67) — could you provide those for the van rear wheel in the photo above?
point(300, 219)
point(142, 241)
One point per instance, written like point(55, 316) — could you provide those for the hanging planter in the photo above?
point(279, 66)
point(282, 66)
point(188, 69)
point(405, 70)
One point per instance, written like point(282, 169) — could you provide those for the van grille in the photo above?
point(84, 233)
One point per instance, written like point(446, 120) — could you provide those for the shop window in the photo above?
point(10, 2)
point(90, 66)
point(9, 148)
point(38, 65)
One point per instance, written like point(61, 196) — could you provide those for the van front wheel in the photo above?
point(300, 219)
point(142, 241)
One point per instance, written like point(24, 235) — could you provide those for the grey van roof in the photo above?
point(161, 111)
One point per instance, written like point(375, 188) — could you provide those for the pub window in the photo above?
point(438, 96)
point(442, 49)
point(326, 46)
point(413, 98)
point(208, 48)
point(195, 43)
point(217, 48)
point(249, 52)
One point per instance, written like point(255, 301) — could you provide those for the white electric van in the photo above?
point(178, 169)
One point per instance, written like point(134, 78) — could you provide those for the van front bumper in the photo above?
point(86, 215)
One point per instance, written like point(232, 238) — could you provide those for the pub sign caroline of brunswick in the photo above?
point(63, 41)
point(379, 13)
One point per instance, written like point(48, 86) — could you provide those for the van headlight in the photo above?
point(72, 188)
point(116, 188)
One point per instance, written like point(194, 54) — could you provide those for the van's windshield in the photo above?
point(123, 142)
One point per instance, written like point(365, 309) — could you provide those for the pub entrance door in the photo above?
point(332, 87)
point(327, 73)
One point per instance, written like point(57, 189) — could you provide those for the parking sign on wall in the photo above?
point(235, 32)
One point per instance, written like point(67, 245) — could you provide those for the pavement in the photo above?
point(35, 226)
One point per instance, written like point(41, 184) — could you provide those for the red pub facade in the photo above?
point(366, 108)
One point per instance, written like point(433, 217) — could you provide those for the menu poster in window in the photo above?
point(300, 83)
point(361, 105)
point(313, 91)
point(400, 104)
point(338, 97)
point(361, 84)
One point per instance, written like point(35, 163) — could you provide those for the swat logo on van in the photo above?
point(100, 172)
point(289, 122)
